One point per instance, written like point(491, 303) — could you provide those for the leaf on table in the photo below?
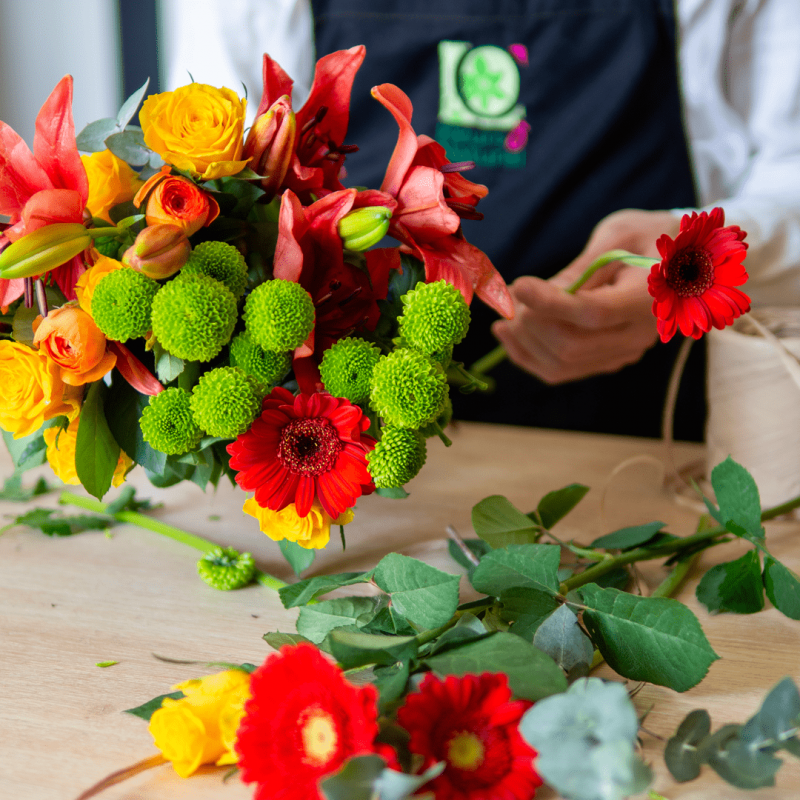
point(534, 566)
point(467, 629)
point(737, 497)
point(146, 710)
point(777, 720)
point(499, 523)
point(477, 547)
point(733, 586)
point(315, 622)
point(391, 682)
point(526, 609)
point(624, 538)
point(356, 648)
point(783, 587)
point(302, 592)
point(680, 754)
point(13, 490)
point(276, 639)
point(298, 558)
point(560, 636)
point(52, 523)
point(651, 639)
point(554, 506)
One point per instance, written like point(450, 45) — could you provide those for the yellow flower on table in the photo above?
point(61, 445)
point(197, 128)
point(32, 390)
point(111, 181)
point(312, 531)
point(84, 288)
point(200, 728)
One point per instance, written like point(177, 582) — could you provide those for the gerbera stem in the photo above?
point(156, 526)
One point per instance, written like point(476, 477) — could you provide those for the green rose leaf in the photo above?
point(13, 490)
point(302, 592)
point(651, 639)
point(526, 609)
point(392, 492)
point(556, 505)
point(96, 450)
point(276, 639)
point(737, 497)
point(477, 547)
point(355, 649)
point(391, 683)
point(783, 587)
point(317, 621)
point(733, 586)
point(52, 524)
point(499, 523)
point(625, 538)
point(299, 558)
point(146, 710)
point(426, 596)
point(534, 566)
point(467, 629)
point(562, 639)
point(532, 674)
point(680, 754)
point(387, 620)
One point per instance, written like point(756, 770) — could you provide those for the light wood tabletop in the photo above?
point(68, 603)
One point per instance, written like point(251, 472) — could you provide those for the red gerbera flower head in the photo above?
point(694, 284)
point(470, 723)
point(302, 722)
point(303, 447)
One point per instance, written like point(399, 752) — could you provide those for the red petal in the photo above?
point(292, 227)
point(276, 84)
point(304, 496)
point(396, 101)
point(20, 174)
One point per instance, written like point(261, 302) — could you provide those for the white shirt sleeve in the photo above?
point(221, 42)
point(740, 74)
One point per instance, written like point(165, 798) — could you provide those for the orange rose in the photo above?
point(111, 182)
point(174, 200)
point(84, 288)
point(69, 338)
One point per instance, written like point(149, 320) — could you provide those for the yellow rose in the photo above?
point(84, 288)
point(61, 455)
point(201, 727)
point(311, 531)
point(32, 390)
point(197, 128)
point(111, 181)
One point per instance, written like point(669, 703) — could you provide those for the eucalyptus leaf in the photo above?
point(302, 592)
point(783, 588)
point(299, 558)
point(625, 538)
point(526, 609)
point(653, 639)
point(737, 497)
point(743, 766)
point(356, 780)
point(554, 506)
point(96, 450)
point(393, 785)
point(146, 710)
point(129, 107)
point(777, 720)
point(562, 639)
point(681, 754)
point(534, 566)
point(733, 586)
point(130, 147)
point(531, 673)
point(426, 596)
point(92, 139)
point(499, 523)
point(317, 621)
point(356, 649)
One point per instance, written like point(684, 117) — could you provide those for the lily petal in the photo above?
point(134, 371)
point(396, 101)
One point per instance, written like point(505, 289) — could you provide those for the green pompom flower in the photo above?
point(397, 457)
point(168, 425)
point(224, 568)
point(266, 365)
point(226, 401)
point(220, 261)
point(279, 315)
point(346, 368)
point(435, 316)
point(408, 389)
point(122, 303)
point(193, 317)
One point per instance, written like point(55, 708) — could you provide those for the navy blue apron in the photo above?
point(571, 110)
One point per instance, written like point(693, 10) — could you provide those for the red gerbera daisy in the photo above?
point(302, 722)
point(303, 447)
point(470, 723)
point(693, 285)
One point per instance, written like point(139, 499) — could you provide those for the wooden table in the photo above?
point(68, 603)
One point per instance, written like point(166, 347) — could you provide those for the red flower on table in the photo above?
point(470, 723)
point(432, 197)
point(43, 187)
point(303, 447)
point(302, 722)
point(694, 284)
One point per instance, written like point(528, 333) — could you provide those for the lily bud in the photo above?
point(270, 144)
point(159, 251)
point(43, 249)
point(364, 227)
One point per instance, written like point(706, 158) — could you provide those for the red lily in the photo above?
point(309, 252)
point(319, 149)
point(43, 187)
point(431, 199)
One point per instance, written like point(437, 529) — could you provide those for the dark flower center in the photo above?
point(690, 272)
point(309, 446)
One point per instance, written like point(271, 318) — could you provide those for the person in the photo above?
point(575, 116)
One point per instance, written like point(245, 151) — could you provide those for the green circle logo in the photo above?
point(488, 81)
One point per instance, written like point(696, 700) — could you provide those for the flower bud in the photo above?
point(43, 249)
point(270, 144)
point(159, 251)
point(364, 227)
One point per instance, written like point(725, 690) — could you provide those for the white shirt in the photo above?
point(739, 62)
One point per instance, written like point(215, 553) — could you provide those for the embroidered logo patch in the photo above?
point(480, 118)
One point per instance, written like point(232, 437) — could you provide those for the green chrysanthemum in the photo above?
point(226, 401)
point(407, 388)
point(397, 457)
point(168, 425)
point(346, 368)
point(224, 568)
point(220, 261)
point(193, 317)
point(122, 303)
point(266, 365)
point(279, 315)
point(435, 316)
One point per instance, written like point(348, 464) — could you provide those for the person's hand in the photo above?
point(607, 324)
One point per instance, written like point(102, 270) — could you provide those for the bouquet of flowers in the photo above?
point(199, 302)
